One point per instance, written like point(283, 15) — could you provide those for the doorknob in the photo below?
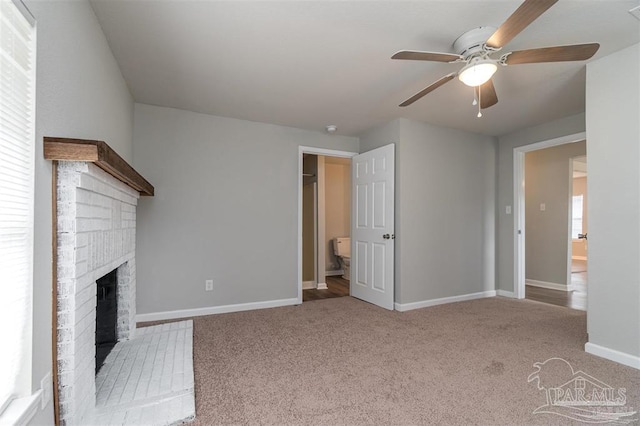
point(582, 236)
point(386, 236)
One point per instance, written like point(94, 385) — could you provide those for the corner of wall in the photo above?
point(99, 108)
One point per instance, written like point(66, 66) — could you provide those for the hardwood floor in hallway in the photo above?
point(338, 287)
point(575, 299)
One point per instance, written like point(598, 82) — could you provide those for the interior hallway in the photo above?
point(575, 299)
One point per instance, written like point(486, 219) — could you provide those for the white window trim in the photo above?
point(19, 411)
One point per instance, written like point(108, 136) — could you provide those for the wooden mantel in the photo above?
point(98, 152)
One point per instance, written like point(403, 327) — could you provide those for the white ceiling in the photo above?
point(307, 64)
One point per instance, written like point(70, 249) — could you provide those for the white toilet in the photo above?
point(342, 249)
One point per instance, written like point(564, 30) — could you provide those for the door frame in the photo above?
point(315, 232)
point(315, 151)
point(518, 205)
point(572, 162)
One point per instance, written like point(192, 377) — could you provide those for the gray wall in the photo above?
point(448, 248)
point(226, 208)
point(613, 143)
point(505, 237)
point(548, 180)
point(449, 213)
point(80, 93)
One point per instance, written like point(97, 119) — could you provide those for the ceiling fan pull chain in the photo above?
point(475, 97)
point(479, 101)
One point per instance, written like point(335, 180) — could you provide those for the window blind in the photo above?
point(17, 139)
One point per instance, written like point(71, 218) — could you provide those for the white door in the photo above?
point(372, 233)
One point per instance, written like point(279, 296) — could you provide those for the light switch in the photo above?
point(507, 210)
point(543, 207)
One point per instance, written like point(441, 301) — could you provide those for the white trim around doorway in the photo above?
point(316, 151)
point(518, 204)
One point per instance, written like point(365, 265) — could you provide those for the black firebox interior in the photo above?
point(106, 316)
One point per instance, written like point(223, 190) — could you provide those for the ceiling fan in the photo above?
point(476, 47)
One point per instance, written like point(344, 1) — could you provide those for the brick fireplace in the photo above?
point(147, 375)
point(96, 229)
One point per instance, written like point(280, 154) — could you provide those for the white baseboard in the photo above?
point(505, 293)
point(579, 257)
point(212, 310)
point(334, 273)
point(322, 286)
point(613, 355)
point(308, 285)
point(550, 286)
point(402, 307)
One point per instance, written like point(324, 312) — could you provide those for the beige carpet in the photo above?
point(343, 361)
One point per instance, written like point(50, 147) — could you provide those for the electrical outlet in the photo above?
point(208, 285)
point(47, 388)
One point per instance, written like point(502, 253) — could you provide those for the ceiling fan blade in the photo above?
point(488, 94)
point(528, 12)
point(426, 56)
point(430, 88)
point(576, 52)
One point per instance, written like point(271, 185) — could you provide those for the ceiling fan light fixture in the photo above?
point(478, 72)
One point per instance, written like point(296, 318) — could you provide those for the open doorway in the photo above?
point(544, 220)
point(578, 240)
point(325, 224)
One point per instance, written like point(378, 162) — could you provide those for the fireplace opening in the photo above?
point(106, 316)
